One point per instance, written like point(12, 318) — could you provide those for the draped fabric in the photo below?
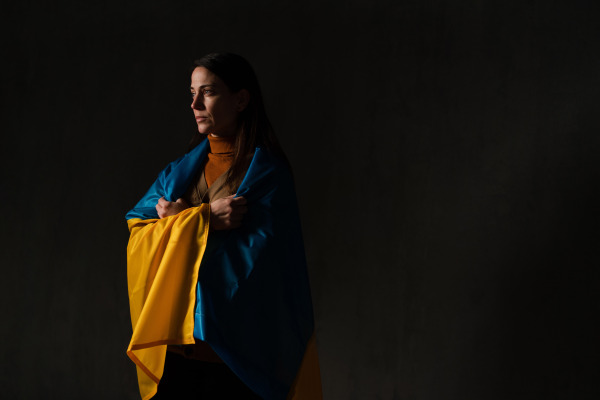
point(252, 296)
point(163, 258)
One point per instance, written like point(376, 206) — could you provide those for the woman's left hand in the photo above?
point(166, 208)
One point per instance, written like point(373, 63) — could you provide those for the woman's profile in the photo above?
point(219, 294)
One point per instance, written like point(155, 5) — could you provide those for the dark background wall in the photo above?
point(446, 158)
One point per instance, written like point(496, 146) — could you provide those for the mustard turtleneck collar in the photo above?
point(221, 144)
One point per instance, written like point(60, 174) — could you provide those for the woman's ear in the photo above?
point(243, 99)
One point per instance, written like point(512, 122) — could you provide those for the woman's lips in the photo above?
point(198, 119)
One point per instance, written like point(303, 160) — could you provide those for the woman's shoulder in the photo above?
point(267, 170)
point(272, 162)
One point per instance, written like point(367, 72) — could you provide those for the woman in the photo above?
point(216, 266)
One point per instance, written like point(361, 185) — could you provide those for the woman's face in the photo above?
point(216, 109)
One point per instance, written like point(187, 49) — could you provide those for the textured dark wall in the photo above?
point(447, 163)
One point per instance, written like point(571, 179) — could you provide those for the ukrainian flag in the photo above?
point(244, 291)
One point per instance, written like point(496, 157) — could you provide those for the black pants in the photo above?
point(189, 379)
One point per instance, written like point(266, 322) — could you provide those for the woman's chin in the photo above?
point(203, 130)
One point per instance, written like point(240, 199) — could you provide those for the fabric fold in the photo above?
point(163, 258)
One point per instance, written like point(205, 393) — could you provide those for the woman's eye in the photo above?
point(207, 92)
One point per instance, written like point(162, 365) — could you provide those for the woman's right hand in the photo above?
point(227, 213)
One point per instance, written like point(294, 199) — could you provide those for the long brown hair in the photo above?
point(256, 130)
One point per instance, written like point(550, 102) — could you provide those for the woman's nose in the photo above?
point(197, 103)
